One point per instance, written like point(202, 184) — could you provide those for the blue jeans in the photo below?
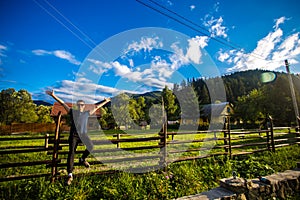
point(74, 140)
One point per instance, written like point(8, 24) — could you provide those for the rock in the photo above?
point(279, 185)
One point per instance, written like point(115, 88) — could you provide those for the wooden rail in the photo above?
point(27, 127)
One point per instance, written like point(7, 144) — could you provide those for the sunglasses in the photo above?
point(80, 104)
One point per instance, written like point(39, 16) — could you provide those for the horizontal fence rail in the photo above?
point(20, 128)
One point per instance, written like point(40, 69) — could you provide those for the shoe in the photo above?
point(84, 162)
point(69, 180)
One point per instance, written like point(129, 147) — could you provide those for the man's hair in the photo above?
point(80, 101)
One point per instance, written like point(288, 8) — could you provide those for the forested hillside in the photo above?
point(256, 94)
point(241, 83)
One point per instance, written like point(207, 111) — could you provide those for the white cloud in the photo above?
point(66, 56)
point(223, 56)
point(266, 45)
point(145, 44)
point(62, 54)
point(215, 26)
point(195, 45)
point(153, 76)
point(279, 21)
point(71, 91)
point(192, 7)
point(216, 6)
point(2, 50)
point(99, 67)
point(120, 70)
point(269, 53)
point(79, 74)
point(178, 58)
point(154, 82)
point(41, 52)
point(131, 63)
point(193, 53)
point(83, 80)
point(2, 53)
point(2, 47)
point(170, 3)
point(289, 46)
point(160, 70)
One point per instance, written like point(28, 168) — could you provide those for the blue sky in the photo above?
point(97, 48)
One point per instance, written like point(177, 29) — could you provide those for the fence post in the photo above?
point(46, 141)
point(118, 138)
point(31, 128)
point(163, 140)
point(55, 148)
point(229, 136)
point(298, 127)
point(272, 134)
point(267, 126)
point(225, 129)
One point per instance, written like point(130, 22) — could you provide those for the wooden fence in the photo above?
point(19, 128)
point(144, 152)
point(14, 150)
point(27, 127)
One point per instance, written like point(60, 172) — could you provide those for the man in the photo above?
point(78, 131)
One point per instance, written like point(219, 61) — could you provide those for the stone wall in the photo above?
point(279, 185)
point(275, 186)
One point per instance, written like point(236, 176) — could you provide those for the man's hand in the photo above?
point(50, 92)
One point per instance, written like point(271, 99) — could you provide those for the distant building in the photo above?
point(93, 123)
point(216, 112)
point(208, 113)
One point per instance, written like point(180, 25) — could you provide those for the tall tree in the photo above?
point(137, 109)
point(25, 107)
point(188, 103)
point(121, 111)
point(107, 120)
point(7, 106)
point(251, 108)
point(279, 100)
point(156, 115)
point(43, 113)
point(170, 103)
point(16, 106)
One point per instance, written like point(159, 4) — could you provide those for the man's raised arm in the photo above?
point(51, 93)
point(100, 105)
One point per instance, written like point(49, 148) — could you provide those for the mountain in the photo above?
point(153, 96)
point(241, 83)
point(41, 102)
point(150, 97)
